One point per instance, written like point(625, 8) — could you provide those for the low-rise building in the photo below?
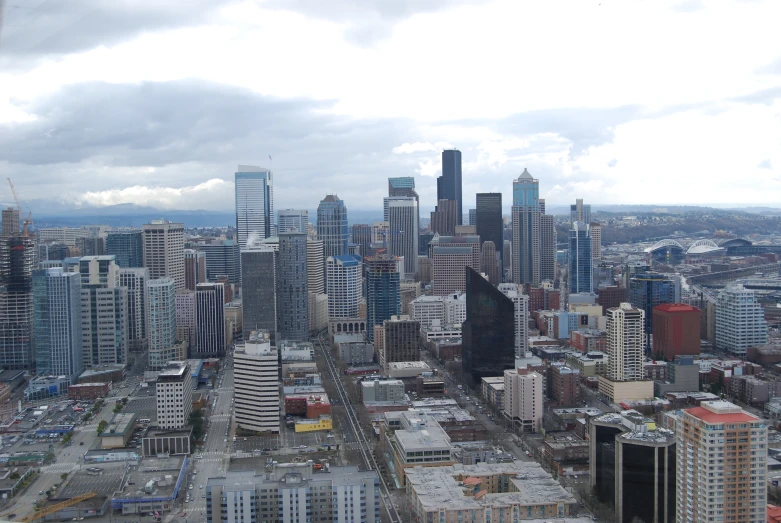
point(152, 486)
point(588, 340)
point(355, 352)
point(89, 391)
point(117, 432)
point(310, 406)
point(492, 389)
point(166, 442)
point(591, 364)
point(382, 390)
point(323, 422)
point(407, 369)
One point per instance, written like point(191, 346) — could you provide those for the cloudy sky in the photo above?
point(155, 102)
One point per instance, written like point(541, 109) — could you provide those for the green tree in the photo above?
point(63, 476)
point(102, 426)
point(14, 475)
point(196, 420)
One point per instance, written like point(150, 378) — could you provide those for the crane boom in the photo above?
point(54, 508)
point(27, 221)
point(16, 198)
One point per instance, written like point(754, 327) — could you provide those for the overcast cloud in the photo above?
point(156, 102)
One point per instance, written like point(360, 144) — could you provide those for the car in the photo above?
point(302, 446)
point(190, 487)
point(40, 493)
point(201, 486)
point(187, 500)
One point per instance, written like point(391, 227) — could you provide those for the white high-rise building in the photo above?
point(134, 280)
point(523, 397)
point(209, 320)
point(256, 384)
point(164, 251)
point(345, 284)
point(403, 232)
point(161, 307)
point(174, 391)
point(721, 464)
point(625, 343)
point(293, 220)
point(254, 204)
point(315, 266)
point(521, 308)
point(740, 320)
point(447, 310)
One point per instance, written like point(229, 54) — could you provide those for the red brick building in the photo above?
point(611, 297)
point(676, 330)
point(88, 391)
point(564, 390)
point(310, 406)
point(588, 340)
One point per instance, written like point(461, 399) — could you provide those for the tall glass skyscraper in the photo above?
point(127, 246)
point(17, 256)
point(488, 221)
point(332, 226)
point(161, 310)
point(526, 230)
point(292, 287)
point(383, 291)
point(254, 204)
point(403, 232)
point(646, 291)
point(258, 277)
point(449, 184)
point(580, 260)
point(489, 330)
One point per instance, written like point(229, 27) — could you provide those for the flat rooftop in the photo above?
point(438, 488)
point(101, 478)
point(103, 369)
point(153, 469)
point(408, 365)
point(119, 425)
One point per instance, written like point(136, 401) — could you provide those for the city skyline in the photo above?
point(64, 95)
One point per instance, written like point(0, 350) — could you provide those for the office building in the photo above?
point(127, 246)
point(332, 226)
point(345, 284)
point(164, 251)
point(380, 232)
point(489, 263)
point(625, 378)
point(403, 186)
point(104, 312)
point(580, 212)
point(632, 466)
point(293, 220)
point(362, 236)
point(256, 384)
point(676, 331)
point(10, 222)
point(721, 435)
point(520, 316)
point(91, 246)
point(209, 320)
point(564, 386)
point(523, 397)
point(548, 247)
point(258, 277)
point(449, 184)
point(646, 291)
point(17, 319)
point(223, 258)
point(450, 255)
point(526, 230)
point(444, 218)
point(318, 311)
point(292, 287)
point(596, 240)
point(174, 390)
point(488, 331)
point(489, 223)
point(315, 266)
point(254, 205)
point(580, 259)
point(185, 317)
point(161, 311)
point(134, 280)
point(299, 493)
point(383, 291)
point(439, 310)
point(402, 341)
point(403, 232)
point(194, 268)
point(740, 320)
point(58, 335)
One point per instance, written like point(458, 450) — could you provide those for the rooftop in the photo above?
point(154, 470)
point(721, 412)
point(119, 425)
point(398, 365)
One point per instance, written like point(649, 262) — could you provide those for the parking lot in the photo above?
point(144, 408)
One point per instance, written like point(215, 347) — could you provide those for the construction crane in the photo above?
point(27, 221)
point(39, 514)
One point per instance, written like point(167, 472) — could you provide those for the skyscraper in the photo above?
point(161, 313)
point(292, 287)
point(209, 321)
point(17, 319)
point(445, 218)
point(646, 291)
point(449, 184)
point(344, 276)
point(489, 263)
point(383, 294)
point(134, 280)
point(258, 277)
point(548, 239)
point(526, 230)
point(740, 320)
point(127, 246)
point(596, 240)
point(523, 395)
point(625, 343)
point(293, 220)
point(721, 464)
point(521, 316)
point(580, 212)
point(10, 222)
point(488, 332)
point(580, 273)
point(488, 216)
point(194, 268)
point(58, 332)
point(256, 382)
point(362, 235)
point(332, 226)
point(403, 234)
point(254, 204)
point(449, 256)
point(315, 266)
point(104, 313)
point(164, 250)
point(222, 259)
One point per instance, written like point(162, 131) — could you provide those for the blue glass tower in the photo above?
point(127, 246)
point(449, 184)
point(580, 273)
point(646, 291)
point(332, 226)
point(526, 230)
point(254, 204)
point(383, 292)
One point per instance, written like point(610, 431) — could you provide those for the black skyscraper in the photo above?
point(490, 227)
point(449, 184)
point(489, 330)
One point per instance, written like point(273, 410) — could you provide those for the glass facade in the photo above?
point(332, 226)
point(489, 224)
point(646, 291)
point(258, 275)
point(127, 247)
point(580, 260)
point(292, 287)
point(383, 295)
point(489, 330)
point(449, 184)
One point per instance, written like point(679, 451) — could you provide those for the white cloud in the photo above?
point(417, 147)
point(160, 197)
